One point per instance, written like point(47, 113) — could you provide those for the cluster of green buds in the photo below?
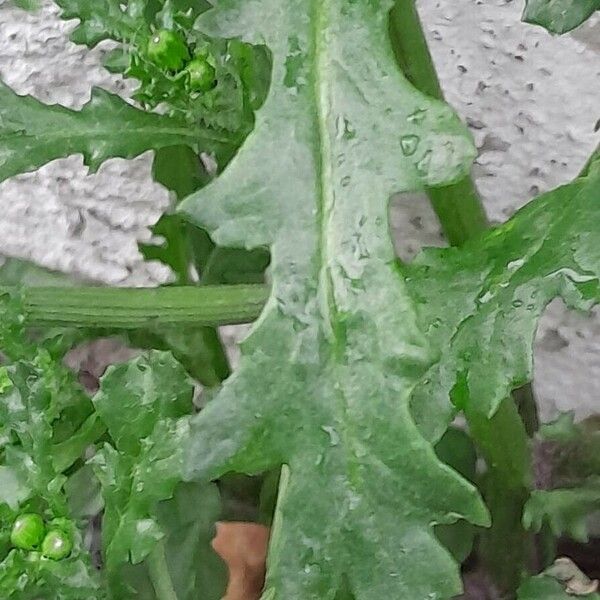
point(29, 533)
point(167, 49)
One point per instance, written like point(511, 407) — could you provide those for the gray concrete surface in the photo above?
point(530, 99)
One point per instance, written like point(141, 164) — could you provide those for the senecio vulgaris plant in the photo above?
point(283, 128)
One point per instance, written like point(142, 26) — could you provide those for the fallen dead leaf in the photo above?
point(243, 547)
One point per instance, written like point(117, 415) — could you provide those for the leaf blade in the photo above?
point(32, 133)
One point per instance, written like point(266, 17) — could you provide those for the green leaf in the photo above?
point(27, 410)
point(135, 396)
point(457, 451)
point(480, 304)
point(28, 576)
point(565, 510)
point(14, 271)
point(13, 490)
point(146, 405)
point(104, 19)
point(559, 16)
point(84, 494)
point(327, 372)
point(189, 520)
point(32, 133)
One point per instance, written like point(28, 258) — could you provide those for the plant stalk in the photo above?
point(159, 573)
point(504, 548)
point(179, 169)
point(139, 308)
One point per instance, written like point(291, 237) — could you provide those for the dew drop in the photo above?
point(409, 144)
point(424, 164)
point(344, 128)
point(334, 438)
point(417, 117)
point(346, 181)
point(517, 303)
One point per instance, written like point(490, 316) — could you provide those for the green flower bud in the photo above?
point(202, 75)
point(28, 531)
point(168, 50)
point(57, 545)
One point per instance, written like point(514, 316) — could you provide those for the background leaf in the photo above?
point(32, 133)
point(559, 16)
point(566, 511)
point(146, 405)
point(480, 304)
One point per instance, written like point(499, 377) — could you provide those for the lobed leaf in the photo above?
point(480, 304)
point(566, 511)
point(32, 133)
point(559, 16)
point(146, 405)
point(104, 19)
point(328, 370)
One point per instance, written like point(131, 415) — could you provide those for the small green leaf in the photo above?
point(83, 493)
point(559, 16)
point(189, 522)
point(33, 133)
point(104, 19)
point(565, 510)
point(135, 396)
point(13, 487)
point(146, 405)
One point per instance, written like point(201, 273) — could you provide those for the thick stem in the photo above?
point(458, 206)
point(504, 548)
point(503, 439)
point(179, 169)
point(137, 308)
point(159, 574)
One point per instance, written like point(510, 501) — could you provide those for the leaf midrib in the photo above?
point(325, 208)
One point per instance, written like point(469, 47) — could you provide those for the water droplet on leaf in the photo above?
point(409, 144)
point(424, 164)
point(417, 117)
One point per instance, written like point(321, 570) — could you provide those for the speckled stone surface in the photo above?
point(530, 99)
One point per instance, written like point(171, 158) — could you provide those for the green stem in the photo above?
point(503, 439)
point(503, 442)
point(135, 308)
point(159, 573)
point(458, 206)
point(179, 169)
